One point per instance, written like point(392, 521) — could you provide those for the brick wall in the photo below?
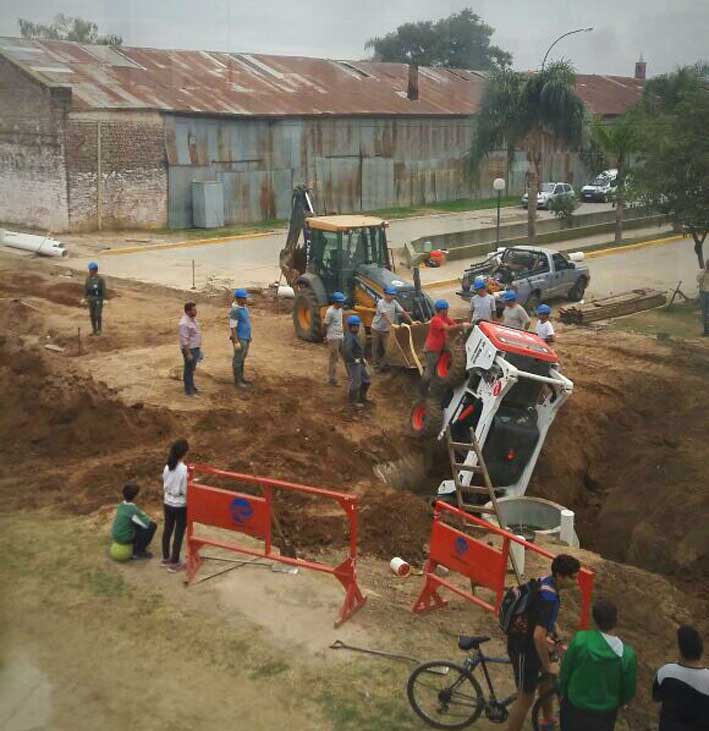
point(33, 189)
point(132, 168)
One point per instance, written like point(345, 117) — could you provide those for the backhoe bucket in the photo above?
point(405, 346)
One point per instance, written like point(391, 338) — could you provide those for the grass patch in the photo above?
point(269, 669)
point(456, 206)
point(104, 583)
point(369, 712)
point(214, 233)
point(681, 320)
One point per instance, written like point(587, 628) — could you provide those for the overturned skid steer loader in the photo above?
point(505, 385)
point(349, 254)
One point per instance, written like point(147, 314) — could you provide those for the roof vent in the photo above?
point(412, 91)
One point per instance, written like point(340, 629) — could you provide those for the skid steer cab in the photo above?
point(349, 254)
point(506, 386)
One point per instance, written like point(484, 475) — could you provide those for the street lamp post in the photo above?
point(499, 185)
point(570, 33)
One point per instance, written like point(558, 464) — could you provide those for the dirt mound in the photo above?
point(628, 453)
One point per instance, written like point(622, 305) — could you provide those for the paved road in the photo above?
point(659, 265)
point(255, 260)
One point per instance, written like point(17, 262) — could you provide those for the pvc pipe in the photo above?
point(41, 245)
point(518, 552)
point(399, 566)
point(566, 527)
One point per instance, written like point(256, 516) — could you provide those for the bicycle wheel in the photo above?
point(445, 695)
point(552, 697)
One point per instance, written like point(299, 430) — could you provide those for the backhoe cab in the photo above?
point(348, 253)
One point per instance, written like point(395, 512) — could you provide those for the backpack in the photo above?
point(516, 602)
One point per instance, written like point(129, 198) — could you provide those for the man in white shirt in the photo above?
point(388, 309)
point(334, 335)
point(514, 315)
point(545, 329)
point(482, 304)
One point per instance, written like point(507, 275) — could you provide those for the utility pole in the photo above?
point(499, 185)
point(569, 33)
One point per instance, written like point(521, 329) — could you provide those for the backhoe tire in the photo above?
point(450, 370)
point(576, 293)
point(306, 316)
point(426, 418)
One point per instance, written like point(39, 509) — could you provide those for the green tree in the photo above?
point(461, 40)
point(672, 172)
point(617, 139)
point(65, 28)
point(535, 112)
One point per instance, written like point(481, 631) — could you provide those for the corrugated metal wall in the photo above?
point(354, 164)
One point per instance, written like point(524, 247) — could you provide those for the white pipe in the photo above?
point(517, 552)
point(566, 528)
point(41, 245)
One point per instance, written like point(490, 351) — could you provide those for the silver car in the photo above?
point(547, 193)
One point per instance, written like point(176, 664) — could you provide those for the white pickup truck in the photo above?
point(536, 274)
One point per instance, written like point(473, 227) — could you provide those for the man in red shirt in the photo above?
point(438, 330)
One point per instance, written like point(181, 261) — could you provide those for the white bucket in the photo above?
point(399, 566)
point(285, 292)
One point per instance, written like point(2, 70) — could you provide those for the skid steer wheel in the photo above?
point(426, 419)
point(306, 316)
point(577, 291)
point(450, 369)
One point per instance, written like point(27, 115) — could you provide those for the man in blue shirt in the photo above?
point(240, 326)
point(528, 641)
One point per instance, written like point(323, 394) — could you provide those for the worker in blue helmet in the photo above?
point(240, 329)
point(94, 295)
point(545, 329)
point(514, 315)
point(440, 328)
point(334, 334)
point(357, 374)
point(389, 312)
point(482, 304)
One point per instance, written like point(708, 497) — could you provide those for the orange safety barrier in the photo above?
point(484, 565)
point(244, 513)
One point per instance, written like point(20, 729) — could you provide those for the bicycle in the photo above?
point(455, 697)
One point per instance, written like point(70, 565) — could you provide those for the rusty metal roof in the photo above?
point(240, 84)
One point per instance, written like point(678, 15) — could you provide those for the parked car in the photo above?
point(547, 192)
point(536, 274)
point(602, 188)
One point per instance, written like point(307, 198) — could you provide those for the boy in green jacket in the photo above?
point(131, 525)
point(597, 676)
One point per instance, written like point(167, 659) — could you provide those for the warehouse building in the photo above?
point(94, 137)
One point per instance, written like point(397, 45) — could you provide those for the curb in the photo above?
point(187, 244)
point(590, 255)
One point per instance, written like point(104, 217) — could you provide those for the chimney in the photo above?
point(412, 92)
point(641, 69)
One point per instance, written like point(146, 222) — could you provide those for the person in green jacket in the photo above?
point(598, 674)
point(131, 525)
point(94, 295)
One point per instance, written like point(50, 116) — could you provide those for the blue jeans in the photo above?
point(189, 369)
point(237, 361)
point(358, 385)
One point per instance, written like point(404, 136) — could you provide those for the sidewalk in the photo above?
point(453, 270)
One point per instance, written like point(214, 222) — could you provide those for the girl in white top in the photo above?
point(174, 480)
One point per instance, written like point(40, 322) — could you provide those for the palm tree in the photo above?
point(617, 139)
point(536, 112)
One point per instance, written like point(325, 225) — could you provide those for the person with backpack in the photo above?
point(683, 687)
point(598, 674)
point(528, 615)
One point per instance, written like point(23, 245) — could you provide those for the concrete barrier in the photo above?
point(481, 241)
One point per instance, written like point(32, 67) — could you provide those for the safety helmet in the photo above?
point(93, 266)
point(509, 296)
point(338, 297)
point(390, 290)
point(544, 310)
point(441, 304)
point(479, 283)
point(241, 294)
point(353, 320)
